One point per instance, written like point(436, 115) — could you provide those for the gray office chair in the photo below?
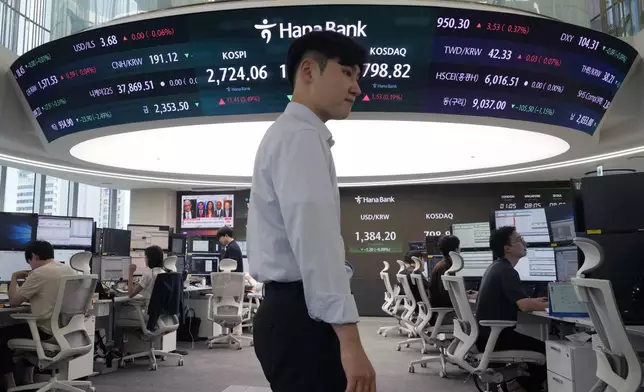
point(166, 323)
point(392, 305)
point(463, 352)
point(70, 338)
point(170, 263)
point(618, 365)
point(226, 306)
point(81, 262)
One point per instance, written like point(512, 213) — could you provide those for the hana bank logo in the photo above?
point(374, 200)
point(290, 30)
point(265, 28)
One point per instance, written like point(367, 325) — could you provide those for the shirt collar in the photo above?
point(305, 114)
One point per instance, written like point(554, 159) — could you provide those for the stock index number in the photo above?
point(453, 23)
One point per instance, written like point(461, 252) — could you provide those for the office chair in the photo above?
point(168, 288)
point(170, 263)
point(618, 365)
point(227, 265)
point(81, 262)
point(425, 314)
point(70, 339)
point(392, 304)
point(463, 352)
point(409, 316)
point(226, 305)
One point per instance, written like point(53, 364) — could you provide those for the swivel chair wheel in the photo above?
point(398, 347)
point(379, 332)
point(238, 346)
point(122, 363)
point(423, 365)
point(164, 358)
point(210, 346)
point(92, 389)
point(384, 334)
point(153, 367)
point(252, 343)
point(424, 351)
point(407, 345)
point(180, 363)
point(442, 374)
point(411, 369)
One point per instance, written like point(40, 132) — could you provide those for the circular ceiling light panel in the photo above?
point(363, 148)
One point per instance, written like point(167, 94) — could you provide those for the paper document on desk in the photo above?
point(579, 338)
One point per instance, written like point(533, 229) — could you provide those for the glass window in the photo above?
point(19, 191)
point(56, 196)
point(122, 209)
point(93, 202)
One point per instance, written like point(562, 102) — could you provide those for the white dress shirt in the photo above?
point(294, 215)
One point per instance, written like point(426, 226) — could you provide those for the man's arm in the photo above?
point(18, 295)
point(307, 200)
point(511, 284)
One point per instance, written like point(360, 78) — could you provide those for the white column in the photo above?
point(153, 207)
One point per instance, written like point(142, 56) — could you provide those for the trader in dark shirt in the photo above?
point(501, 296)
point(231, 247)
point(438, 296)
point(410, 265)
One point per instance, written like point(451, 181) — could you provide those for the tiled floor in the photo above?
point(221, 369)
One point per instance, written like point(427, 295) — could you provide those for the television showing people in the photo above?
point(207, 211)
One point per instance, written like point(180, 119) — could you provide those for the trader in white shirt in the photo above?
point(305, 332)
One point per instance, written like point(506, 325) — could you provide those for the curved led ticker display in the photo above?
point(422, 59)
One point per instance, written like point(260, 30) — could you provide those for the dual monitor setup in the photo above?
point(68, 236)
point(548, 233)
point(203, 254)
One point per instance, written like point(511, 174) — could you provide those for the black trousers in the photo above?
point(296, 352)
point(16, 331)
point(509, 339)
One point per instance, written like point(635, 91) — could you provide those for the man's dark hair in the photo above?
point(413, 253)
point(154, 254)
point(499, 239)
point(225, 231)
point(448, 243)
point(42, 249)
point(324, 46)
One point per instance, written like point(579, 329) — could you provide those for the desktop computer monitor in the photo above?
point(475, 263)
point(561, 223)
point(138, 258)
point(64, 255)
point(472, 235)
point(203, 265)
point(10, 262)
point(17, 230)
point(530, 223)
point(144, 236)
point(567, 259)
point(65, 231)
point(538, 265)
point(114, 268)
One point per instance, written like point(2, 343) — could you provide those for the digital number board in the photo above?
point(421, 59)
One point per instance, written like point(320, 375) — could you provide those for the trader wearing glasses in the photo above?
point(501, 296)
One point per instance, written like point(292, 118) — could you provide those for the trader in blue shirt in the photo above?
point(305, 331)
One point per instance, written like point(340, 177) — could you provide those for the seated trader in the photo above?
point(40, 289)
point(501, 296)
point(438, 296)
point(410, 265)
point(231, 247)
point(154, 261)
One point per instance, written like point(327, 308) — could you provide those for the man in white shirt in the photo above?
point(305, 332)
point(40, 289)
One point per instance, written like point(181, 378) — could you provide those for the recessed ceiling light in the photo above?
point(363, 148)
